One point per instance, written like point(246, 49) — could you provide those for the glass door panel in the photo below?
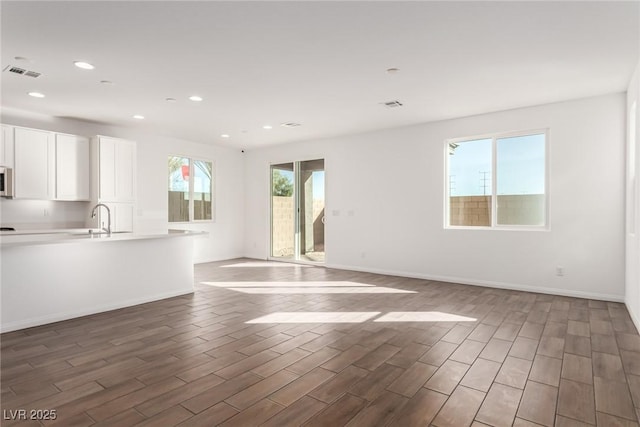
point(283, 217)
point(311, 216)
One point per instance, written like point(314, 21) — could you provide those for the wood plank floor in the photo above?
point(280, 345)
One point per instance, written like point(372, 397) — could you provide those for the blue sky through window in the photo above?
point(470, 168)
point(520, 166)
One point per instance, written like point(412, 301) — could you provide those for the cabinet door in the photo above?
point(125, 171)
point(72, 167)
point(6, 146)
point(121, 217)
point(107, 168)
point(124, 217)
point(34, 174)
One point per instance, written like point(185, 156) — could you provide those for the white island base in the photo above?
point(52, 280)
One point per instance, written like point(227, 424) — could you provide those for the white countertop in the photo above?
point(80, 235)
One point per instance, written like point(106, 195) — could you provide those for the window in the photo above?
point(497, 181)
point(190, 189)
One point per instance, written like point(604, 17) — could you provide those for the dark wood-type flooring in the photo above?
point(475, 356)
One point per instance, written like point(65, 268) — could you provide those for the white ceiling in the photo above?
point(320, 64)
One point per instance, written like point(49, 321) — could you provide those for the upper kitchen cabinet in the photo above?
point(34, 165)
point(114, 162)
point(113, 172)
point(6, 146)
point(47, 165)
point(72, 167)
point(125, 171)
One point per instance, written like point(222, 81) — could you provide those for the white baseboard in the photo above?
point(29, 323)
point(485, 283)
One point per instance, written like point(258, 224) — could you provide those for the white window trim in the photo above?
point(191, 184)
point(494, 225)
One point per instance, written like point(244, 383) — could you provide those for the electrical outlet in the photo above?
point(559, 271)
point(46, 212)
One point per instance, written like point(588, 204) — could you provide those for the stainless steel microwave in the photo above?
point(6, 182)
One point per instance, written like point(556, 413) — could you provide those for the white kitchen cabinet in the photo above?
point(34, 164)
point(72, 167)
point(114, 170)
point(6, 146)
point(124, 217)
point(113, 175)
point(105, 168)
point(125, 171)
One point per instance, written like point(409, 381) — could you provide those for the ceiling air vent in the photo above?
point(22, 71)
point(392, 104)
point(17, 70)
point(289, 125)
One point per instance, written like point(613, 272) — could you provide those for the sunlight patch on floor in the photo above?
point(289, 288)
point(264, 264)
point(322, 290)
point(422, 316)
point(316, 317)
point(359, 317)
point(286, 284)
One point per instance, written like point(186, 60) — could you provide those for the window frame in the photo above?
point(191, 219)
point(494, 170)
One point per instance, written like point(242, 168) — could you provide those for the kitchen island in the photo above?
point(48, 277)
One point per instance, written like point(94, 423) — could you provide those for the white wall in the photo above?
point(632, 296)
point(393, 184)
point(225, 233)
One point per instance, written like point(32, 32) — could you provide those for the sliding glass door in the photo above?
point(297, 211)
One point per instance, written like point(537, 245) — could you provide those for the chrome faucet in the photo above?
point(93, 215)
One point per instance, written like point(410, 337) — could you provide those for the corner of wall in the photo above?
point(632, 240)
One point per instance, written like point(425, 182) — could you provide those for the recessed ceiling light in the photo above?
point(170, 99)
point(290, 125)
point(36, 94)
point(139, 117)
point(84, 65)
point(106, 82)
point(392, 70)
point(195, 98)
point(22, 59)
point(267, 127)
point(224, 135)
